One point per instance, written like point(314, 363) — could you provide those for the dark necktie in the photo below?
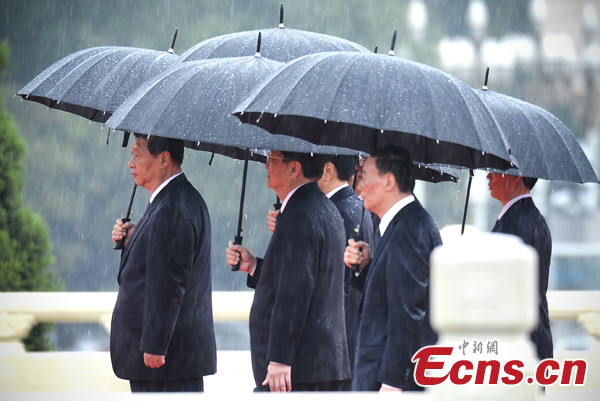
point(377, 239)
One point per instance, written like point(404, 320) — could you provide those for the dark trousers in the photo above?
point(194, 384)
point(336, 385)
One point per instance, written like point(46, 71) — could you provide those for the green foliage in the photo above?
point(25, 251)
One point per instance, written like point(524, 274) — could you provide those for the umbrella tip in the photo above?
point(485, 81)
point(173, 42)
point(281, 16)
point(258, 46)
point(391, 52)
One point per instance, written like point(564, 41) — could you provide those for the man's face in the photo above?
point(503, 186)
point(277, 171)
point(371, 185)
point(144, 167)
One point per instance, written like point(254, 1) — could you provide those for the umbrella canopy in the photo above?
point(93, 82)
point(541, 144)
point(365, 101)
point(193, 101)
point(279, 44)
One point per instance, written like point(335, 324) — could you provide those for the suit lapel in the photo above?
point(519, 204)
point(341, 194)
point(390, 228)
point(146, 218)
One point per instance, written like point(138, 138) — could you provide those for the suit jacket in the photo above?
point(297, 316)
point(394, 321)
point(351, 209)
point(524, 220)
point(164, 305)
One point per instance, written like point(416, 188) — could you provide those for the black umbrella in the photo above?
point(193, 101)
point(280, 44)
point(93, 82)
point(367, 100)
point(541, 144)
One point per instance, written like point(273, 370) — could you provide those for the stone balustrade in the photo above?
point(23, 372)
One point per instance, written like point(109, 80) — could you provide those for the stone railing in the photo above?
point(22, 371)
point(20, 311)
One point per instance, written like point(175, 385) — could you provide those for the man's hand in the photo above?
point(272, 219)
point(153, 361)
point(121, 230)
point(357, 253)
point(248, 260)
point(279, 377)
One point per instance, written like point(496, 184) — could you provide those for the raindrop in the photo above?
point(437, 141)
point(275, 115)
point(324, 121)
point(381, 131)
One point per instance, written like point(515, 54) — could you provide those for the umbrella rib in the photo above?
point(100, 55)
point(176, 92)
point(547, 118)
point(341, 82)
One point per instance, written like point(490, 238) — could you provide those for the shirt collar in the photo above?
point(512, 202)
point(288, 196)
point(164, 184)
point(336, 190)
point(392, 212)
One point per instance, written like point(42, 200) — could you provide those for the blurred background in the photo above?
point(546, 52)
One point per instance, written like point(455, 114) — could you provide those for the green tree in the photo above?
point(25, 250)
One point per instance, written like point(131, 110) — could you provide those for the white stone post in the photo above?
point(484, 305)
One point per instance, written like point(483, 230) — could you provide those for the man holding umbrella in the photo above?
point(520, 217)
point(297, 332)
point(162, 333)
point(394, 320)
point(337, 173)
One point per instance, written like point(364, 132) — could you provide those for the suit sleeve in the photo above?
point(407, 280)
point(168, 264)
point(252, 280)
point(295, 275)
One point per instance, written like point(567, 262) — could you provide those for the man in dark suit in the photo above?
point(520, 217)
point(338, 171)
point(394, 321)
point(162, 334)
point(297, 331)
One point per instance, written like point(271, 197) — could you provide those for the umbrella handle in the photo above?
point(121, 243)
point(359, 237)
point(356, 267)
point(237, 241)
